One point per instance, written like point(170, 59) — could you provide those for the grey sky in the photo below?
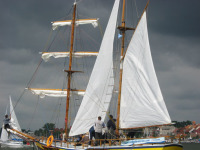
point(174, 36)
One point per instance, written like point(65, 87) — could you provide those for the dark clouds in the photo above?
point(182, 16)
point(24, 29)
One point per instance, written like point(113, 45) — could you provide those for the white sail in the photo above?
point(54, 92)
point(57, 24)
point(99, 90)
point(14, 121)
point(46, 55)
point(142, 102)
point(4, 133)
point(14, 124)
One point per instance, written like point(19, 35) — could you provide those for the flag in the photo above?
point(119, 36)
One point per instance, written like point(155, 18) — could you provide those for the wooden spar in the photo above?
point(137, 24)
point(25, 135)
point(120, 77)
point(76, 20)
point(73, 71)
point(123, 29)
point(70, 67)
point(68, 52)
point(55, 89)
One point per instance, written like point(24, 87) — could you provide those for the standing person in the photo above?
point(92, 134)
point(6, 122)
point(98, 126)
point(111, 127)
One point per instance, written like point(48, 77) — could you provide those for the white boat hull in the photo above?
point(12, 144)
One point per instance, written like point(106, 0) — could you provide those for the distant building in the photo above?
point(167, 130)
point(189, 132)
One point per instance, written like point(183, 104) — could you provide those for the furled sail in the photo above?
point(54, 92)
point(46, 55)
point(142, 102)
point(57, 24)
point(99, 90)
point(14, 121)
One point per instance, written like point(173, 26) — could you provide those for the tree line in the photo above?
point(182, 124)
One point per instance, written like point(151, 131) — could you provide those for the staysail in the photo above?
point(99, 90)
point(142, 102)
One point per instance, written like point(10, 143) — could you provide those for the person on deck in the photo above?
point(111, 127)
point(6, 122)
point(85, 138)
point(79, 138)
point(92, 134)
point(98, 126)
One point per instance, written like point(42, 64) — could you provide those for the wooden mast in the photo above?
point(123, 29)
point(69, 71)
point(122, 53)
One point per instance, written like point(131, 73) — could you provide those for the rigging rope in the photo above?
point(32, 77)
point(100, 28)
point(33, 113)
point(136, 10)
point(34, 74)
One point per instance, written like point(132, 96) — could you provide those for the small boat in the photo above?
point(12, 141)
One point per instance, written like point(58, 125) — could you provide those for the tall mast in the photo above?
point(69, 71)
point(120, 76)
point(122, 29)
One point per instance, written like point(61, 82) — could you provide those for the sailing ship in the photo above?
point(140, 102)
point(12, 140)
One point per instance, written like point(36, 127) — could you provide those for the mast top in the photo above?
point(75, 2)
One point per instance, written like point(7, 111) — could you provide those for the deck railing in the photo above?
point(98, 142)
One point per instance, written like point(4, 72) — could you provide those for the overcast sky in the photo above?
point(174, 34)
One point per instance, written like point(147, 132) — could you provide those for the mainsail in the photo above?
point(99, 90)
point(142, 103)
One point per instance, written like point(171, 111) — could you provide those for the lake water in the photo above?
point(191, 146)
point(187, 146)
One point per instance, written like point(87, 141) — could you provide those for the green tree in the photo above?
point(49, 126)
point(182, 124)
point(45, 130)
